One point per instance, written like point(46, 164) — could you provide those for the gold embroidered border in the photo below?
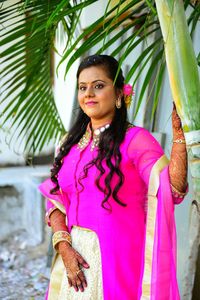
point(150, 226)
point(57, 268)
point(86, 242)
point(58, 205)
point(82, 228)
point(57, 272)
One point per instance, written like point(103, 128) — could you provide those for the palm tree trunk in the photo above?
point(185, 86)
point(193, 145)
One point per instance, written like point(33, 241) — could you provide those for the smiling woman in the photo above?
point(97, 95)
point(111, 196)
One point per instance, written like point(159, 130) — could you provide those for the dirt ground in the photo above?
point(23, 269)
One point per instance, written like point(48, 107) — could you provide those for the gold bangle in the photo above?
point(179, 141)
point(61, 236)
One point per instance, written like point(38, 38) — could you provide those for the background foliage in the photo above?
point(28, 32)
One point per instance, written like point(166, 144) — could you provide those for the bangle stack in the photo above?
point(61, 236)
point(176, 193)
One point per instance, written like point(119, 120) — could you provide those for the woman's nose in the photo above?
point(89, 91)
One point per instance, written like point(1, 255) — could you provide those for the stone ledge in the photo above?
point(21, 204)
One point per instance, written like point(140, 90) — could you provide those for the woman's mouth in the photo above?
point(90, 103)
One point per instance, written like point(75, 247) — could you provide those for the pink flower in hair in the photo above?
point(128, 93)
point(128, 90)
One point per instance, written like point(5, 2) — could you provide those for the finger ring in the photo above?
point(78, 271)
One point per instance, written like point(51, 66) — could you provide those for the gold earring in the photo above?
point(118, 103)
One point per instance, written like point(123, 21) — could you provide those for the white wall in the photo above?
point(64, 88)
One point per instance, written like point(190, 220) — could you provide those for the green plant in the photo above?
point(29, 44)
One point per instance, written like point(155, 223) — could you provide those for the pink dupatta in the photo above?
point(159, 280)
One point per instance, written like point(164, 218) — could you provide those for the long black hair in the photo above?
point(110, 139)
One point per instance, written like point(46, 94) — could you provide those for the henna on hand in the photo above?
point(178, 159)
point(176, 124)
point(74, 263)
point(72, 260)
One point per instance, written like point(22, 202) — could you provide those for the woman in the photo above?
point(111, 198)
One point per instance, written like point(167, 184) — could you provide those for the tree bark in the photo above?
point(193, 145)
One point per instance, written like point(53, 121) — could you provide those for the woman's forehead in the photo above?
point(92, 74)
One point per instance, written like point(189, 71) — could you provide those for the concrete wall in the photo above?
point(21, 204)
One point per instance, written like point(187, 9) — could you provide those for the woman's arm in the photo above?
point(144, 151)
point(57, 221)
point(178, 159)
point(57, 207)
point(72, 260)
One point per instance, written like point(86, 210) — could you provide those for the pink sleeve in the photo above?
point(46, 186)
point(144, 151)
point(59, 199)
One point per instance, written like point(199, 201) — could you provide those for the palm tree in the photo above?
point(29, 43)
point(186, 92)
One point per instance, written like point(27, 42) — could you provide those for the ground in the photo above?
point(23, 269)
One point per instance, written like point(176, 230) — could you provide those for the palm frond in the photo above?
point(183, 73)
point(28, 41)
point(28, 31)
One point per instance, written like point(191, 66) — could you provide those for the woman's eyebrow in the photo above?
point(92, 81)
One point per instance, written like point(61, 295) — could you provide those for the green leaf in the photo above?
point(158, 82)
point(152, 8)
point(141, 57)
point(147, 80)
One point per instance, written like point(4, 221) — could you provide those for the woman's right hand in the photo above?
point(74, 263)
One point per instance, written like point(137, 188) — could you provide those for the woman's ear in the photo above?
point(119, 93)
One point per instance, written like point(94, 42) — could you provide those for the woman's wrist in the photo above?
point(178, 136)
point(61, 237)
point(62, 246)
point(179, 141)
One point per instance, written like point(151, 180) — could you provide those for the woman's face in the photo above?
point(96, 94)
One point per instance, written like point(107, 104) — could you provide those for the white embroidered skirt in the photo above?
point(86, 243)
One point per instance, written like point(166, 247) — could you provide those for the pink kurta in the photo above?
point(122, 232)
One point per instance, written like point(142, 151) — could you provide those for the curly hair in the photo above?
point(110, 139)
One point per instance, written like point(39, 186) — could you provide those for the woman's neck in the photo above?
point(95, 124)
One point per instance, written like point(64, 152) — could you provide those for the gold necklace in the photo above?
point(96, 137)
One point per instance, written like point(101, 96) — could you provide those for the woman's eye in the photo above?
point(82, 88)
point(99, 86)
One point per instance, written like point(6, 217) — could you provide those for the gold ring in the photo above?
point(78, 271)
